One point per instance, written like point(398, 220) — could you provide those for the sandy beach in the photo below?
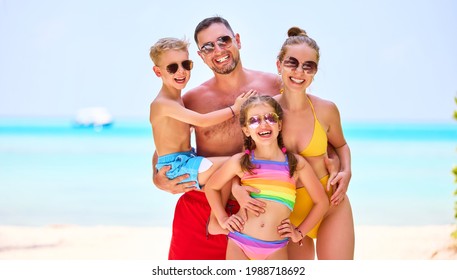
point(71, 242)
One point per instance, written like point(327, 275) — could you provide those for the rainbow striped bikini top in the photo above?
point(273, 181)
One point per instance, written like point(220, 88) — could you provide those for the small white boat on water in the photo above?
point(93, 117)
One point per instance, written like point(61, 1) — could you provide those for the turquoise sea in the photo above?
point(52, 172)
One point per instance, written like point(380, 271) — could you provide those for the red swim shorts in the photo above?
point(190, 239)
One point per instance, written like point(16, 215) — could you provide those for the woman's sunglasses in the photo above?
point(310, 67)
point(269, 118)
point(223, 42)
point(186, 64)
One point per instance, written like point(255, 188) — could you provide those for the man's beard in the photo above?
point(226, 69)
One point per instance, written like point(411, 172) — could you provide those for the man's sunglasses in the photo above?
point(223, 42)
point(269, 118)
point(310, 67)
point(186, 64)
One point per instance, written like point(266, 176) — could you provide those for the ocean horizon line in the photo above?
point(439, 131)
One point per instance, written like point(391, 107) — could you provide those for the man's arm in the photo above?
point(174, 186)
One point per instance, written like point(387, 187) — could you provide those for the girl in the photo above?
point(269, 167)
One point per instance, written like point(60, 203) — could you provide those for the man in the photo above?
point(219, 48)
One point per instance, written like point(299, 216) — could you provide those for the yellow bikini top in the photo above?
point(318, 144)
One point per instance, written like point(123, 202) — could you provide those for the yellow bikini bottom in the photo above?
point(304, 204)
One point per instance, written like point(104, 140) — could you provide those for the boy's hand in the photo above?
point(241, 99)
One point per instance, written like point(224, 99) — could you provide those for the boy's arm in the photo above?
point(174, 186)
point(177, 111)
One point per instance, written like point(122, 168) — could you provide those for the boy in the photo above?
point(171, 121)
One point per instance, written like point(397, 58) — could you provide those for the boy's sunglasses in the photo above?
point(223, 42)
point(310, 67)
point(173, 68)
point(270, 118)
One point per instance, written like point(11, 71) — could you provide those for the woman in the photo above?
point(310, 123)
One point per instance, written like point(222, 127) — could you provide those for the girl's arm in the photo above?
point(315, 190)
point(213, 225)
point(214, 193)
point(173, 109)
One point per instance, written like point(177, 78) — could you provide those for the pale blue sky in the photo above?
point(380, 60)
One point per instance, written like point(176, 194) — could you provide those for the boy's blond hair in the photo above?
point(166, 44)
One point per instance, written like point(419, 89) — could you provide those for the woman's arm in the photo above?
point(344, 176)
point(333, 165)
point(336, 138)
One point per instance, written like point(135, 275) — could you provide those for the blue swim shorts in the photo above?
point(181, 163)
